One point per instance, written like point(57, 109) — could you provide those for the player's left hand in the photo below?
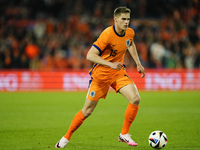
point(141, 69)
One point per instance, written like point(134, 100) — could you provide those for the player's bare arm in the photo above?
point(93, 56)
point(132, 50)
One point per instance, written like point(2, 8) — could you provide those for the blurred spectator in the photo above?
point(39, 28)
point(24, 61)
point(197, 59)
point(32, 50)
point(189, 52)
point(157, 53)
point(7, 59)
point(15, 59)
point(60, 59)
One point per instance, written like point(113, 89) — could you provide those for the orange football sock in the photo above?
point(130, 115)
point(76, 123)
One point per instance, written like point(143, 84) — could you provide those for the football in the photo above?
point(157, 139)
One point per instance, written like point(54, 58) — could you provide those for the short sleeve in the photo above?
point(102, 42)
point(132, 33)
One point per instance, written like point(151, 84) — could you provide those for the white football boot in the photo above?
point(62, 143)
point(127, 139)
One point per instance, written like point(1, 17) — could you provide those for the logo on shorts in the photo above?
point(92, 94)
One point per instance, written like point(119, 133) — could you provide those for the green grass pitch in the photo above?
point(37, 120)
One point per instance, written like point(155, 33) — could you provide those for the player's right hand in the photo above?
point(116, 65)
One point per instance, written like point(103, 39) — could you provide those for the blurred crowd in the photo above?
point(57, 34)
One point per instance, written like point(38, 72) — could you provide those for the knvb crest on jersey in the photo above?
point(128, 42)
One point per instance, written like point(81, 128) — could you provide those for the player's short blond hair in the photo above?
point(119, 10)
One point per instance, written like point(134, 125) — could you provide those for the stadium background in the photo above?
point(43, 43)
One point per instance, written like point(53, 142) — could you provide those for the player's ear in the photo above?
point(115, 19)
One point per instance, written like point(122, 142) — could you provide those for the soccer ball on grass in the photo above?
point(157, 139)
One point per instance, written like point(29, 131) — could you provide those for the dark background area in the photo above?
point(56, 34)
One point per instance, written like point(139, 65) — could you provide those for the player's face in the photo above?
point(123, 20)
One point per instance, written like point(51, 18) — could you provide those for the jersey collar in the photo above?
point(117, 33)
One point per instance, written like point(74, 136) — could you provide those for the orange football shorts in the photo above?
point(99, 89)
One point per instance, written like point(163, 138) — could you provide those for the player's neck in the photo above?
point(119, 31)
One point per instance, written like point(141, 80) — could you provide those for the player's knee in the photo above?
point(135, 100)
point(87, 112)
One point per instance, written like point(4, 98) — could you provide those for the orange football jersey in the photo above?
point(112, 47)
